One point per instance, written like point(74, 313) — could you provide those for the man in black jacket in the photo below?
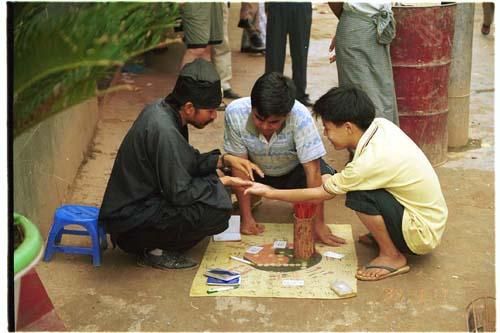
point(163, 195)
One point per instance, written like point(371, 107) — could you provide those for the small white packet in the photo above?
point(292, 283)
point(333, 255)
point(342, 289)
point(279, 244)
point(254, 249)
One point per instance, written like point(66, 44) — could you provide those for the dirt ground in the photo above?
point(120, 296)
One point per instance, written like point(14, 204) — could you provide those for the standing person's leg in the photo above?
point(247, 12)
point(488, 11)
point(251, 34)
point(261, 19)
point(300, 31)
point(221, 58)
point(382, 215)
point(202, 24)
point(363, 62)
point(276, 37)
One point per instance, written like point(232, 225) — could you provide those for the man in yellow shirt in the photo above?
point(389, 183)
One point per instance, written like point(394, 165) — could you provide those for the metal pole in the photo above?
point(460, 76)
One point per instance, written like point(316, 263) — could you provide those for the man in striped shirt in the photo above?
point(278, 134)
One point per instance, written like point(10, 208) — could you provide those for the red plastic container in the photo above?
point(421, 57)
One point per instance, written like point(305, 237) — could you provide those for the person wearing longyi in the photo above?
point(389, 183)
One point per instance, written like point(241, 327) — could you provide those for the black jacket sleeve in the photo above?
point(185, 176)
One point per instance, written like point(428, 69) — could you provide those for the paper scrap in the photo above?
point(279, 244)
point(232, 233)
point(254, 249)
point(341, 288)
point(292, 283)
point(334, 255)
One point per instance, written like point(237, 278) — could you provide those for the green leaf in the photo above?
point(62, 49)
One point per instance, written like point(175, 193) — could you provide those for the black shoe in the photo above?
point(229, 93)
point(168, 260)
point(256, 42)
point(305, 100)
point(245, 24)
point(249, 49)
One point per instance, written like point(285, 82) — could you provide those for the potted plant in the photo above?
point(61, 51)
point(28, 244)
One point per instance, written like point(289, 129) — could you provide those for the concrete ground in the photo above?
point(120, 296)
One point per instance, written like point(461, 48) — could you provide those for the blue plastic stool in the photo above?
point(85, 216)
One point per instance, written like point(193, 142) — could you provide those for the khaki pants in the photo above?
point(221, 54)
point(488, 11)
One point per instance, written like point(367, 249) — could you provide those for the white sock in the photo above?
point(156, 252)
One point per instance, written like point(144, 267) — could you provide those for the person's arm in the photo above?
point(235, 181)
point(240, 164)
point(313, 174)
point(315, 194)
point(336, 8)
point(176, 166)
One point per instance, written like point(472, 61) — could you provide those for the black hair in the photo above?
point(346, 104)
point(273, 94)
point(203, 94)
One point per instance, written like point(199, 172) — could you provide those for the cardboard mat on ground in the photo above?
point(290, 280)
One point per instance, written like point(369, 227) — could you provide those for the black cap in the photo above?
point(198, 83)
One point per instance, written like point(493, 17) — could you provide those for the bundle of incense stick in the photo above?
point(303, 237)
point(304, 210)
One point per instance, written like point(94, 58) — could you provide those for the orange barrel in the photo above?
point(421, 57)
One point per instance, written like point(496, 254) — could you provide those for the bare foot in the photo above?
point(251, 228)
point(396, 263)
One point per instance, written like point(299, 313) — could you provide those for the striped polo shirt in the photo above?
point(297, 142)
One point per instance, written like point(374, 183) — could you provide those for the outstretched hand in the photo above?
point(258, 189)
point(235, 181)
point(243, 165)
point(332, 57)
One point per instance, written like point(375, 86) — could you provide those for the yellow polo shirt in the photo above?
point(386, 158)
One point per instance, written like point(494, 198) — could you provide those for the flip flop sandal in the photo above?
point(392, 272)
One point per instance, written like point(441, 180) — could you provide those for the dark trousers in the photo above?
point(381, 202)
point(293, 19)
point(181, 232)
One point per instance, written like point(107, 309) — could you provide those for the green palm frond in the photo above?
point(62, 49)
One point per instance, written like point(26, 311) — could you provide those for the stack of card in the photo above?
point(222, 277)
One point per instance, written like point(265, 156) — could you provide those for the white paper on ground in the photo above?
point(232, 233)
point(341, 288)
point(279, 244)
point(292, 283)
point(333, 255)
point(254, 249)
